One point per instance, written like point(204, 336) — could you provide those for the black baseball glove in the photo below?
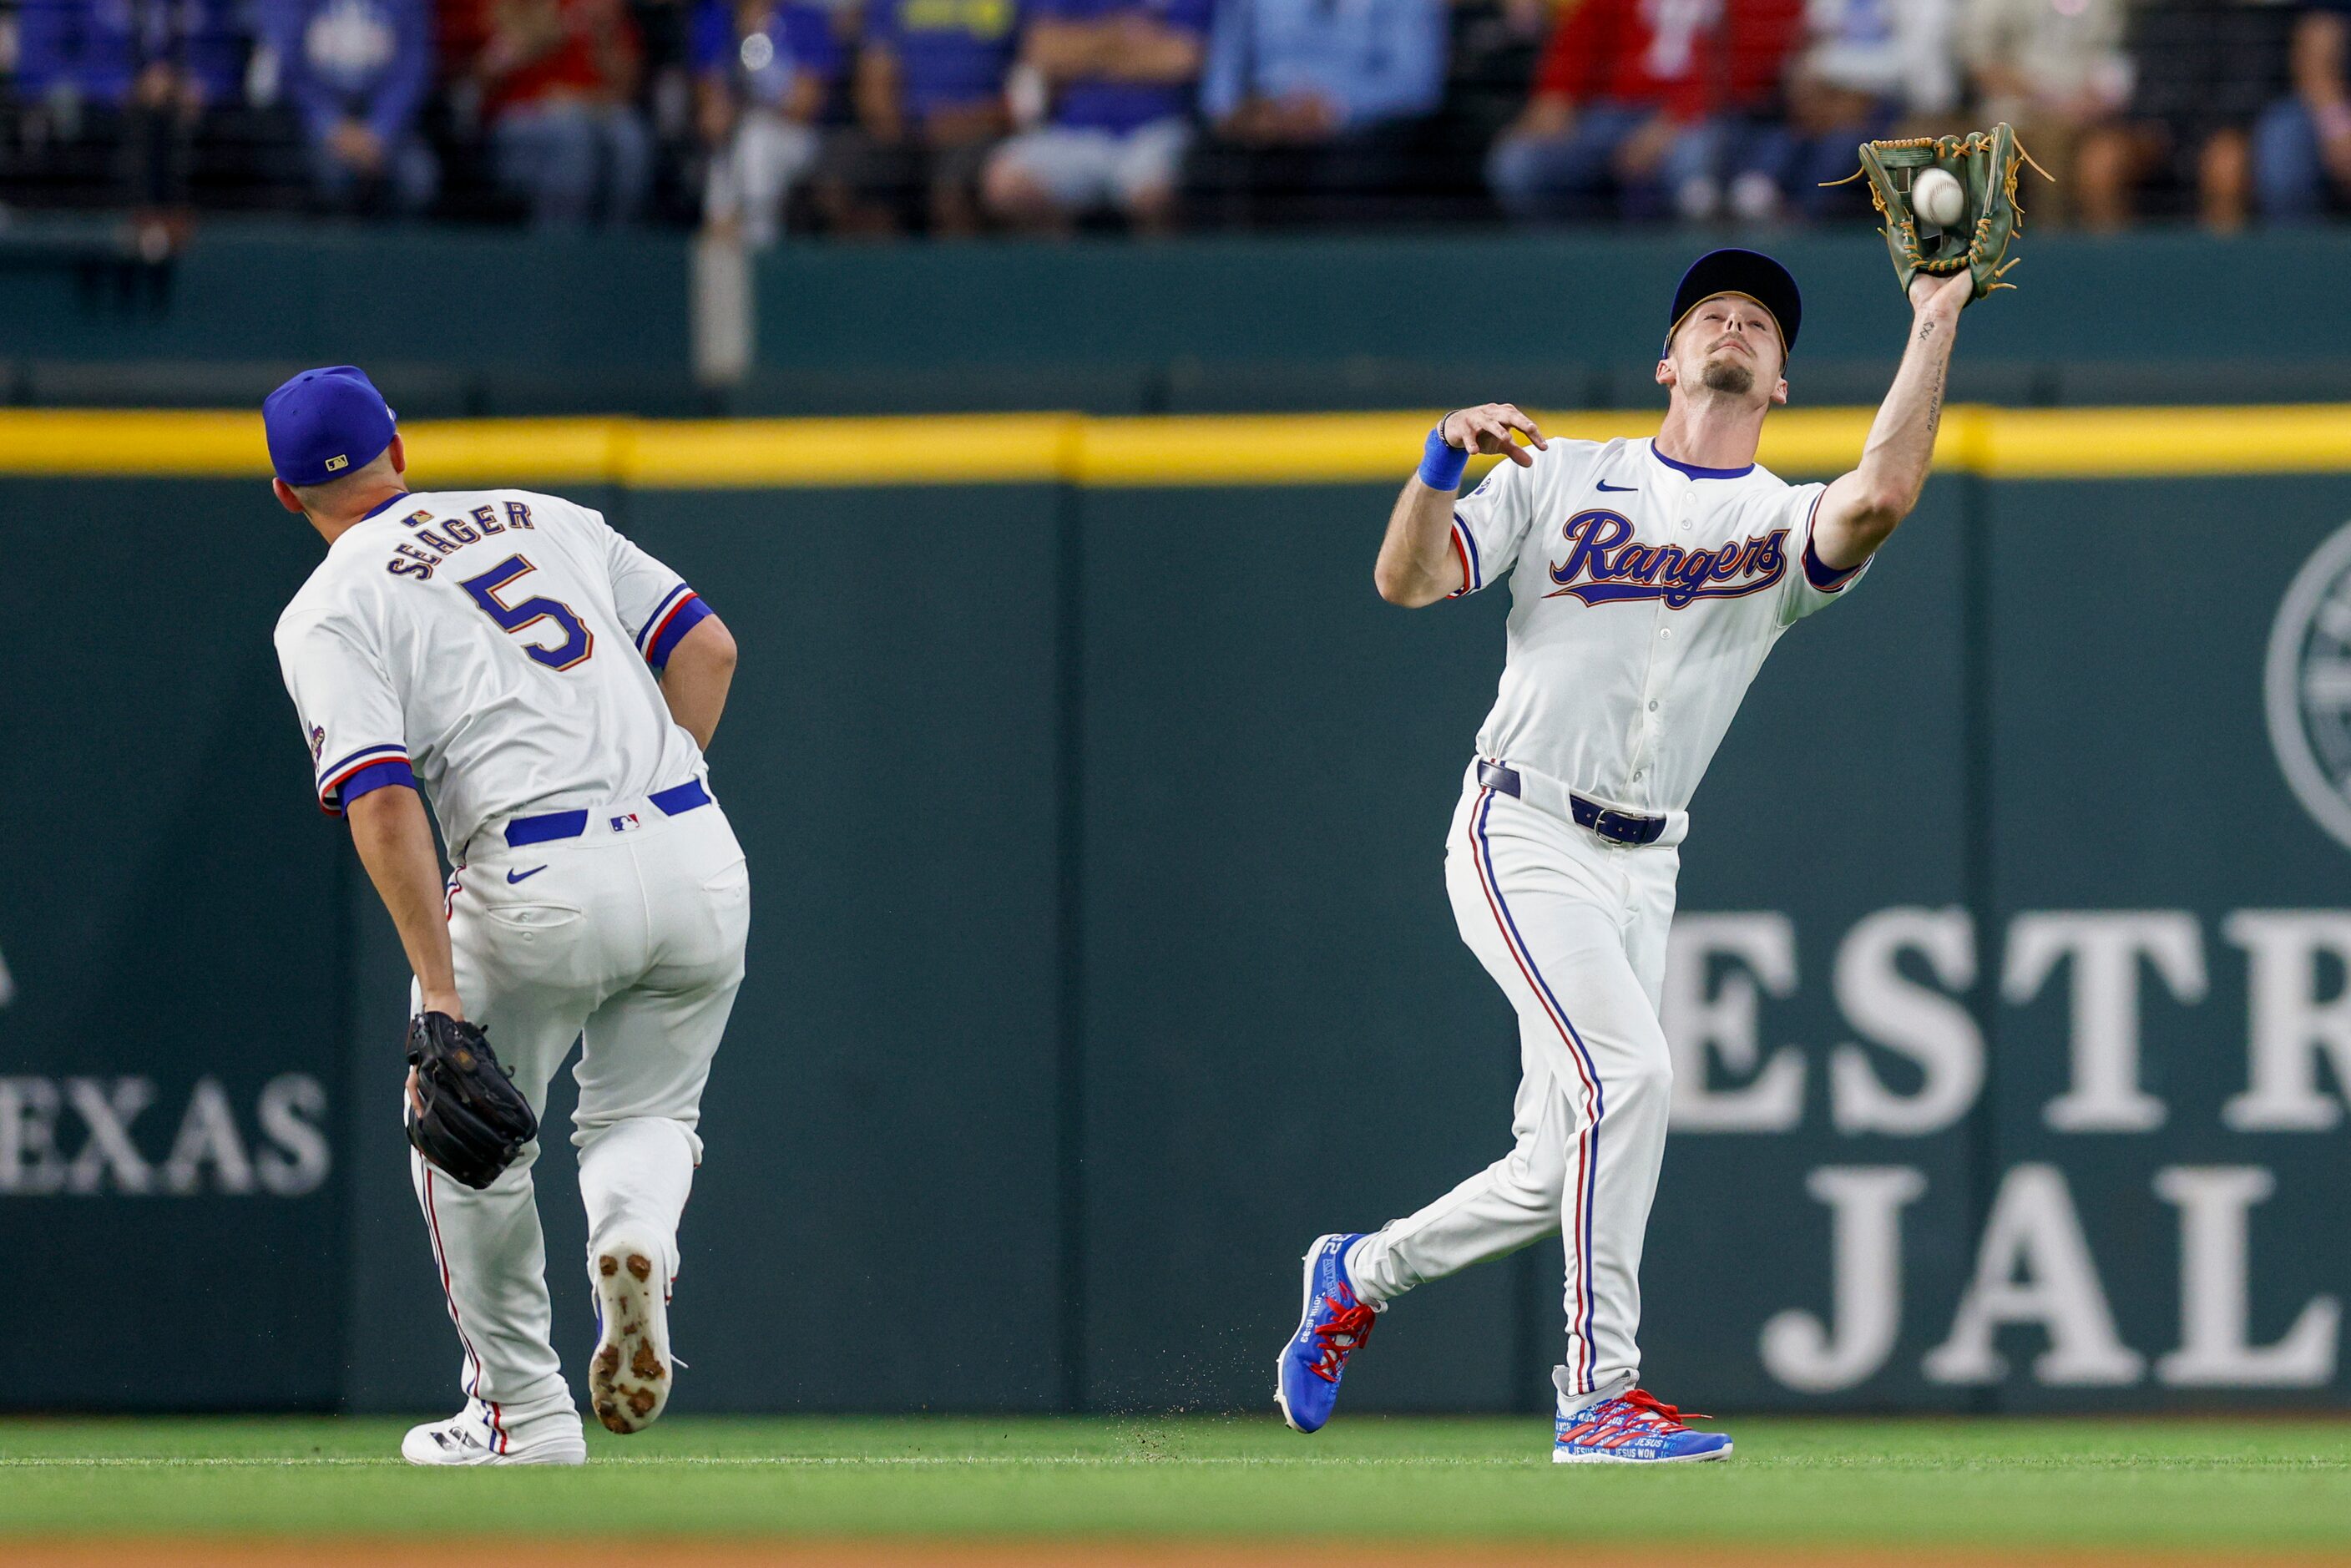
point(467, 1117)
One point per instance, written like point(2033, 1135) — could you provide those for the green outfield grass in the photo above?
point(2226, 1484)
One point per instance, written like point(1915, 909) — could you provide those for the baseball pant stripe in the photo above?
point(1587, 1140)
point(441, 1261)
point(473, 1357)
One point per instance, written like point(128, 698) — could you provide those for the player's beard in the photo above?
point(1726, 375)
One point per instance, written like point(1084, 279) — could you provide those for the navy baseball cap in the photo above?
point(325, 423)
point(1746, 272)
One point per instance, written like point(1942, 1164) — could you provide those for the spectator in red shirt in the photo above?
point(558, 77)
point(1636, 101)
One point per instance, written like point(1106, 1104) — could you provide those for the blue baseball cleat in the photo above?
point(1632, 1428)
point(1332, 1327)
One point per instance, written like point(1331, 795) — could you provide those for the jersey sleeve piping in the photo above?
point(1818, 572)
point(1465, 546)
point(679, 614)
point(373, 777)
point(653, 621)
point(389, 763)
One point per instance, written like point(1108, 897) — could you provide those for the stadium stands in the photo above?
point(870, 118)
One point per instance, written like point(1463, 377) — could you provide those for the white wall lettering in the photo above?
point(295, 1159)
point(2034, 1266)
point(1934, 1030)
point(2290, 1027)
point(1865, 1281)
point(2215, 1289)
point(208, 1136)
point(1721, 1028)
point(2105, 949)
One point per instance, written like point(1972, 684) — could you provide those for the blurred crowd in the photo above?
point(762, 118)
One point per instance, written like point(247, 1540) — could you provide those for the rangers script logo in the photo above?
point(1603, 566)
point(2306, 686)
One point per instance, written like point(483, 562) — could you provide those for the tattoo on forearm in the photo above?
point(1926, 330)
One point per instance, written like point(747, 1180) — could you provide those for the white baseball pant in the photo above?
point(631, 935)
point(1573, 927)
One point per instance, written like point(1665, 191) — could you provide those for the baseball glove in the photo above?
point(467, 1116)
point(1986, 164)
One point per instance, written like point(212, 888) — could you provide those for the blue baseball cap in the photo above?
point(325, 423)
point(1746, 272)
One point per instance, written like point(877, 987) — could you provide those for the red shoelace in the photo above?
point(1614, 1422)
point(1349, 1327)
point(1649, 1405)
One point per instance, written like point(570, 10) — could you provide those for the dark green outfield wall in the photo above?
point(1564, 320)
point(1101, 959)
point(474, 322)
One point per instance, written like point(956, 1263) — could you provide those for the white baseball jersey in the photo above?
point(1645, 593)
point(497, 648)
point(500, 644)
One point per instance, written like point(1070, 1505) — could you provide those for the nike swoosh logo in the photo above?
point(520, 875)
point(1622, 489)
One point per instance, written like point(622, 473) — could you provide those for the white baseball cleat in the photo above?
point(480, 1434)
point(629, 1377)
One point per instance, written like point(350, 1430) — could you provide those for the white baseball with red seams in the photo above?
point(1939, 197)
point(1646, 594)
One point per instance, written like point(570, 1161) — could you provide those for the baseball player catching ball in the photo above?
point(1648, 579)
point(550, 689)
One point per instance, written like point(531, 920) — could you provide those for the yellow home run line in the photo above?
point(1172, 450)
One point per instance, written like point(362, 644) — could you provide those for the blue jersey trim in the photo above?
point(374, 777)
point(652, 622)
point(1695, 472)
point(682, 620)
point(1470, 543)
point(342, 765)
point(392, 500)
point(1824, 577)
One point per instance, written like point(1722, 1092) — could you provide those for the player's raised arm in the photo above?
point(1418, 563)
point(1861, 509)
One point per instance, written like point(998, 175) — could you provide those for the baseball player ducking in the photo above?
point(1648, 579)
point(550, 689)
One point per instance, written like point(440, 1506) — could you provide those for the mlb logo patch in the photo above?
point(627, 824)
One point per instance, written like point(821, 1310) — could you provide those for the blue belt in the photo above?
point(1616, 827)
point(675, 802)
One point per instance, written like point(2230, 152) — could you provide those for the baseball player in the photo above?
point(1648, 579)
point(550, 689)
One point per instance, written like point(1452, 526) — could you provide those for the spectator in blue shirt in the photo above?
point(930, 103)
point(2302, 145)
point(763, 73)
point(1314, 103)
point(356, 72)
point(1120, 77)
point(142, 71)
point(111, 53)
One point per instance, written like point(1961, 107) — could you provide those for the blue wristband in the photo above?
point(1442, 462)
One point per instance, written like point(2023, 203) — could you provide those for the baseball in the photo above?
point(1937, 197)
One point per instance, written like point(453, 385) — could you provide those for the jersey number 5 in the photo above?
point(578, 640)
